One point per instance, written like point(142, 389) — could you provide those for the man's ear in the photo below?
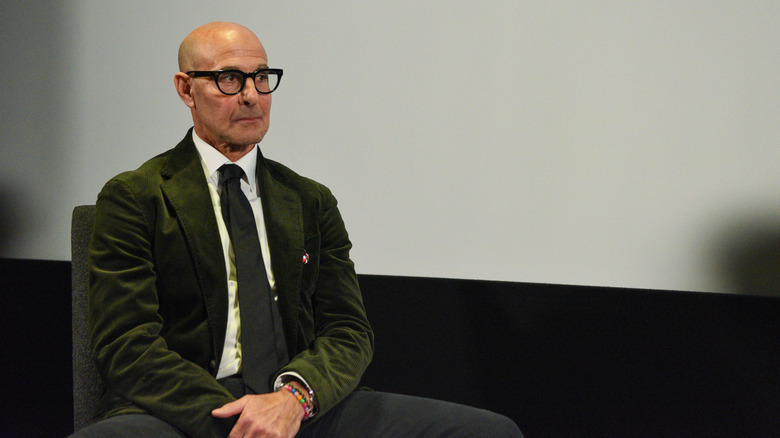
point(184, 87)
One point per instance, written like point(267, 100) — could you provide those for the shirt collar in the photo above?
point(212, 160)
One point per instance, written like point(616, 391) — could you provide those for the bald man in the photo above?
point(166, 289)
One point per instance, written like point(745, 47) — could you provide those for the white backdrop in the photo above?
point(617, 143)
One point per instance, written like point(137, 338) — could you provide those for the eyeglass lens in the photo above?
point(231, 82)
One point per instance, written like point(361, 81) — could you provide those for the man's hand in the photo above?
point(278, 414)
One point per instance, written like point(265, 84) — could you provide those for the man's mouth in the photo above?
point(249, 119)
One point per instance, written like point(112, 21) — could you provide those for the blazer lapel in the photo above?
point(283, 217)
point(187, 191)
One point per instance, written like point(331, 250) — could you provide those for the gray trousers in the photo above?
point(361, 414)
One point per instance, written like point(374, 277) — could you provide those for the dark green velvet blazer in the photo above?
point(158, 290)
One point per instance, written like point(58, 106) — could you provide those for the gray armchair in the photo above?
point(87, 386)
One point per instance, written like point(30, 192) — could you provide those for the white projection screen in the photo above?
point(612, 143)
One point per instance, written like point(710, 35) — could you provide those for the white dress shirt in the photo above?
point(211, 159)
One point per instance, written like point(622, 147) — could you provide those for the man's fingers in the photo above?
point(268, 415)
point(230, 409)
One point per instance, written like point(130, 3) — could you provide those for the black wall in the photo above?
point(562, 361)
point(573, 361)
point(37, 387)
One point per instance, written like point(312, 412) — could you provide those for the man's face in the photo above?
point(230, 121)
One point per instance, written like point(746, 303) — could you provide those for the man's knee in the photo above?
point(487, 423)
point(503, 427)
point(131, 426)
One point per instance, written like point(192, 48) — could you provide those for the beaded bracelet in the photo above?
point(307, 408)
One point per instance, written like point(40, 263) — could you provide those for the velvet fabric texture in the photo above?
point(158, 290)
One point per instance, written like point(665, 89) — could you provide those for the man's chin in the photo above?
point(242, 141)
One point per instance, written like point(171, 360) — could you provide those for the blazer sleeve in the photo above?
point(131, 355)
point(342, 343)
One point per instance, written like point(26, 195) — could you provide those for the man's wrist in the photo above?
point(302, 385)
point(298, 392)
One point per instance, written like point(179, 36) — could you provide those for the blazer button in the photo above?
point(212, 366)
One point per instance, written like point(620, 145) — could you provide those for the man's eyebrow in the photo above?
point(232, 67)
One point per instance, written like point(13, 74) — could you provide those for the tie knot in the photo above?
point(230, 171)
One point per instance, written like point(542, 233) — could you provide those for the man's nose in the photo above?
point(249, 93)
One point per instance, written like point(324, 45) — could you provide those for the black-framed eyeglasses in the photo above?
point(231, 82)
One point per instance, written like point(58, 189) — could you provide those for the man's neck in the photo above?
point(234, 152)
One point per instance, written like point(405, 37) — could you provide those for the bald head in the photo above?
point(231, 123)
point(199, 46)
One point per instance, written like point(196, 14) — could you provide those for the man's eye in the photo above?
point(262, 77)
point(228, 77)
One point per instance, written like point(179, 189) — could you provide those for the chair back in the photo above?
point(87, 386)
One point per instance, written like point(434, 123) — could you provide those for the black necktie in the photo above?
point(263, 347)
